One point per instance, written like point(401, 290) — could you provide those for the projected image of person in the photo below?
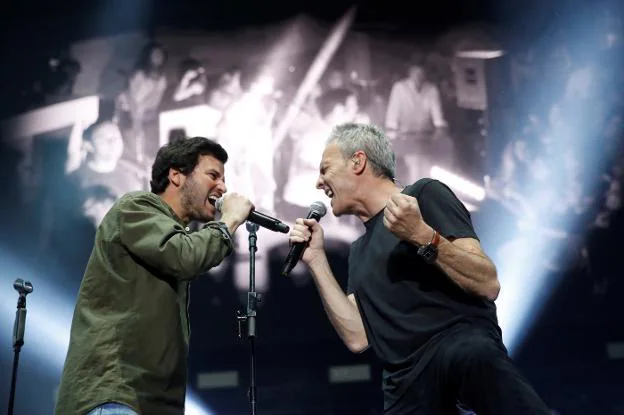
point(96, 202)
point(193, 85)
point(129, 337)
point(227, 89)
point(137, 107)
point(95, 159)
point(416, 124)
point(420, 290)
point(246, 130)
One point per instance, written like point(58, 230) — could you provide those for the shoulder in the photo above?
point(138, 75)
point(141, 200)
point(401, 85)
point(415, 189)
point(431, 190)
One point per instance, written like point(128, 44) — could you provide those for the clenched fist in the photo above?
point(402, 217)
point(235, 209)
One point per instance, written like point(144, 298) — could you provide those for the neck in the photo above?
point(375, 197)
point(175, 203)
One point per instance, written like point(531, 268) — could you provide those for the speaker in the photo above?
point(483, 82)
point(485, 94)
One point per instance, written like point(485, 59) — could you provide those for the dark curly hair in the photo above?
point(182, 155)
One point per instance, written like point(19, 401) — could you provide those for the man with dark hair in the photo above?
point(130, 331)
point(103, 164)
point(415, 122)
point(421, 290)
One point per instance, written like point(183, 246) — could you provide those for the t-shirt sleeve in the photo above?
point(444, 212)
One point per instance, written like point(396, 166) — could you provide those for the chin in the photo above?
point(336, 211)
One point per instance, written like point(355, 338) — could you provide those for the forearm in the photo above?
point(185, 256)
point(391, 126)
point(391, 121)
point(162, 243)
point(342, 313)
point(474, 273)
point(183, 91)
point(231, 224)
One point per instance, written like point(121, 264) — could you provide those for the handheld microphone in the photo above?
point(23, 288)
point(260, 219)
point(317, 211)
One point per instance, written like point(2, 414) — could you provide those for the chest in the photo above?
point(413, 99)
point(382, 264)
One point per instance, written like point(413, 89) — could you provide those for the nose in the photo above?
point(319, 182)
point(221, 186)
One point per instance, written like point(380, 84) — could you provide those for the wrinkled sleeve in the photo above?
point(444, 212)
point(161, 242)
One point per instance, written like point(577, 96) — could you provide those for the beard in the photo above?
point(193, 200)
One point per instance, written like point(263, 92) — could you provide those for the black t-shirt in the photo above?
point(407, 305)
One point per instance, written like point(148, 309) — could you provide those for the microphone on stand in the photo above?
point(260, 219)
point(317, 211)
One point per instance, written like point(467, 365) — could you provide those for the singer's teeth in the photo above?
point(329, 193)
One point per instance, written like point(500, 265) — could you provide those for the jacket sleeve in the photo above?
point(160, 242)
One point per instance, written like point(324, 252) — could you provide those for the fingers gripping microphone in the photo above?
point(317, 211)
point(260, 219)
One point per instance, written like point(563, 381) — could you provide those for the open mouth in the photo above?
point(212, 199)
point(329, 192)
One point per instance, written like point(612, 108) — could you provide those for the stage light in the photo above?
point(458, 183)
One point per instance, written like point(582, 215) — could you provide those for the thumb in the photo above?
point(311, 223)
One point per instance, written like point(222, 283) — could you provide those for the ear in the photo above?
point(176, 178)
point(358, 162)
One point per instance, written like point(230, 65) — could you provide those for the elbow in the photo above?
point(492, 289)
point(357, 345)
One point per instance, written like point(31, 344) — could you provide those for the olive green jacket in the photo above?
point(130, 329)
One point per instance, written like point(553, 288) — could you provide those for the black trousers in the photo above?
point(471, 368)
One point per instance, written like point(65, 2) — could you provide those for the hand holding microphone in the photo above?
point(234, 208)
point(306, 238)
point(232, 205)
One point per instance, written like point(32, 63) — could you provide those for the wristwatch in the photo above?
point(429, 252)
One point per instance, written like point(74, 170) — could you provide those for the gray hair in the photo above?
point(352, 137)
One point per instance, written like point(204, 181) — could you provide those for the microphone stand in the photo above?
point(249, 317)
point(23, 288)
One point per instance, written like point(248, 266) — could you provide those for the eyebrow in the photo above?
point(212, 170)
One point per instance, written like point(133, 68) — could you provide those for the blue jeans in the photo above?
point(112, 408)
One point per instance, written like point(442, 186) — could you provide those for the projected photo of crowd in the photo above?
point(528, 132)
point(532, 133)
point(270, 96)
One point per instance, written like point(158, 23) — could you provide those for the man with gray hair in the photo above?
point(420, 290)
